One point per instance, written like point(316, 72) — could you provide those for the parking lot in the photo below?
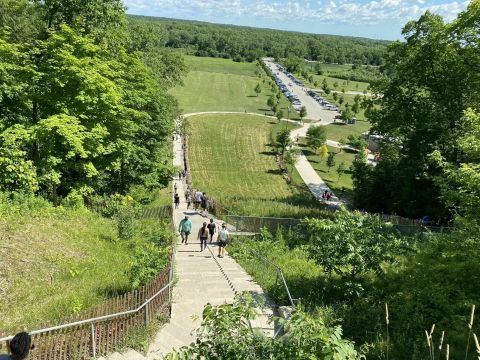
point(318, 109)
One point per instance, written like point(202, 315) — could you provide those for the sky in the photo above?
point(377, 19)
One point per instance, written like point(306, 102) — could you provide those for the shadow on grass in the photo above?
point(338, 124)
point(274, 171)
point(250, 96)
point(268, 153)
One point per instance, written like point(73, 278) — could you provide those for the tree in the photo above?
point(351, 246)
point(347, 112)
point(335, 96)
point(324, 84)
point(303, 112)
point(291, 157)
point(356, 108)
point(341, 100)
point(258, 89)
point(341, 143)
point(271, 102)
point(335, 84)
point(316, 136)
point(278, 95)
point(341, 169)
point(331, 160)
point(294, 64)
point(279, 115)
point(323, 151)
point(426, 116)
point(283, 139)
point(318, 68)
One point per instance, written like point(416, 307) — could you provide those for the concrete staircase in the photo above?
point(202, 278)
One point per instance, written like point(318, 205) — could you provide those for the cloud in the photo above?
point(352, 12)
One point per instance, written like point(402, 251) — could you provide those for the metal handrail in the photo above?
point(97, 319)
point(279, 273)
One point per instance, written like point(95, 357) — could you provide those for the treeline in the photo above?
point(84, 107)
point(247, 44)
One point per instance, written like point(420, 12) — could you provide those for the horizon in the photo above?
point(378, 20)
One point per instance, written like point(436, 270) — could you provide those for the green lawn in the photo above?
point(224, 85)
point(330, 176)
point(232, 160)
point(339, 131)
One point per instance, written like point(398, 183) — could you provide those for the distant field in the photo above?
point(231, 160)
point(223, 85)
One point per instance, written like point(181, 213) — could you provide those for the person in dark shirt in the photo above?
point(212, 228)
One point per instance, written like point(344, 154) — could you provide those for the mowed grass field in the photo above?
point(232, 161)
point(214, 84)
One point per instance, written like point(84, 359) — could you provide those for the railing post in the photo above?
point(94, 342)
point(147, 320)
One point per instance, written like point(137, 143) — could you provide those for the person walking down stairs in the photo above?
point(203, 236)
point(223, 238)
point(185, 229)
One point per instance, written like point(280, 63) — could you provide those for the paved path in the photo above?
point(202, 278)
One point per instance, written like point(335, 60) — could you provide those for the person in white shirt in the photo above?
point(223, 238)
point(198, 199)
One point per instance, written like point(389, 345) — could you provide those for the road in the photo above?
point(315, 111)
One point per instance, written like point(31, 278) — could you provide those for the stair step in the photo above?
point(116, 356)
point(133, 355)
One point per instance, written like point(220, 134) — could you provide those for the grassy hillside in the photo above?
point(231, 160)
point(223, 85)
point(57, 261)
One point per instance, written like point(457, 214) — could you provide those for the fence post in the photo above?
point(94, 342)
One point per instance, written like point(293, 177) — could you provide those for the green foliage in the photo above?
point(303, 112)
point(351, 246)
point(291, 157)
point(81, 113)
point(307, 338)
point(17, 172)
point(283, 139)
point(258, 89)
point(331, 160)
point(460, 183)
point(435, 68)
point(279, 115)
point(316, 137)
point(148, 261)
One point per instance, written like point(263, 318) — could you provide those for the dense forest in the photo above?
point(84, 108)
point(247, 44)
